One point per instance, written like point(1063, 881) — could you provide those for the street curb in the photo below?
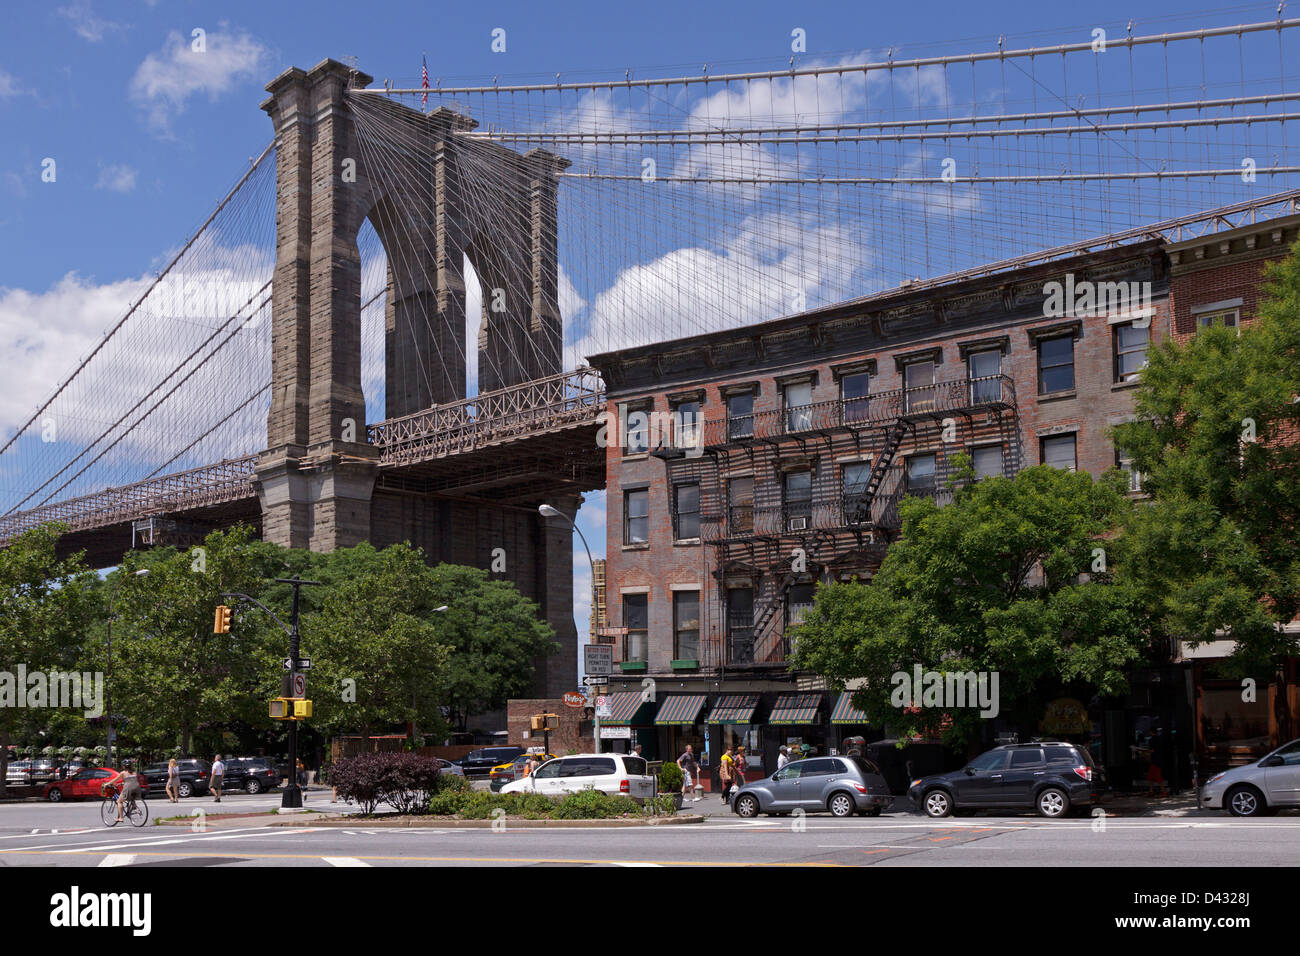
point(512, 823)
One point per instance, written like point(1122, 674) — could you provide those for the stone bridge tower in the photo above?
point(317, 477)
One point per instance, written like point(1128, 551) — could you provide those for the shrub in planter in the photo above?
point(405, 780)
point(670, 777)
point(594, 805)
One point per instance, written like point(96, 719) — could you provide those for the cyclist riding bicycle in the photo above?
point(126, 782)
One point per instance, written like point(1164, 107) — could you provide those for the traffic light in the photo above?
point(545, 722)
point(221, 622)
point(281, 710)
point(301, 709)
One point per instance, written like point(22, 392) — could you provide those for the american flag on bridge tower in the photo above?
point(424, 81)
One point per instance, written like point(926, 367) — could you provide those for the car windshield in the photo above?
point(866, 766)
point(988, 761)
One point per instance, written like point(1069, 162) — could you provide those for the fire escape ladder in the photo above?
point(893, 439)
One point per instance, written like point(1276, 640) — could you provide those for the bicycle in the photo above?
point(137, 811)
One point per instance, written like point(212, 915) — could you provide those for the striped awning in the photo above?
point(625, 709)
point(734, 709)
point(795, 709)
point(680, 709)
point(845, 712)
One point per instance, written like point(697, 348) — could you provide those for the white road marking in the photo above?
point(344, 861)
point(118, 859)
point(633, 863)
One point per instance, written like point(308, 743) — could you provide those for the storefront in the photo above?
point(731, 725)
point(630, 721)
point(795, 723)
point(848, 722)
point(679, 723)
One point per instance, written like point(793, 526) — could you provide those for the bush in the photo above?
point(404, 780)
point(670, 777)
point(664, 803)
point(594, 805)
point(472, 804)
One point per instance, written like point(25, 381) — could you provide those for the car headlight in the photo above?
point(1217, 776)
point(913, 784)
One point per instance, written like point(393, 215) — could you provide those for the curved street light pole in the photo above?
point(549, 512)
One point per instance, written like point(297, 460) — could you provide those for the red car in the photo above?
point(85, 784)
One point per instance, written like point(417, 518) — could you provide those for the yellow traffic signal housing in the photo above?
point(280, 709)
point(301, 709)
point(221, 622)
point(545, 722)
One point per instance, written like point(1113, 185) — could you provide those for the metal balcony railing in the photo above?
point(965, 394)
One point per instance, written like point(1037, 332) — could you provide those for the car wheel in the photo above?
point(1053, 802)
point(841, 805)
point(937, 803)
point(55, 795)
point(254, 786)
point(747, 806)
point(1244, 801)
point(185, 790)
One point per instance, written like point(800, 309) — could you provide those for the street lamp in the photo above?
point(548, 512)
point(108, 676)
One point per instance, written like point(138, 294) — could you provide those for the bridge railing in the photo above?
point(569, 398)
point(228, 480)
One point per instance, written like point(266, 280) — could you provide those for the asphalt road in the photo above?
point(70, 834)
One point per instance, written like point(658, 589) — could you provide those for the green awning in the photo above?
point(796, 709)
point(845, 712)
point(680, 709)
point(734, 709)
point(627, 708)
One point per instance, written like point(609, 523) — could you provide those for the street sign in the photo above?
point(304, 663)
point(598, 659)
point(590, 681)
point(299, 684)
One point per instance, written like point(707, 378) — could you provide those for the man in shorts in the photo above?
point(218, 771)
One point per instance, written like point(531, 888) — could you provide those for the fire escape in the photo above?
point(771, 540)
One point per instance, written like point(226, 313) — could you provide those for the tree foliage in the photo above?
point(1007, 579)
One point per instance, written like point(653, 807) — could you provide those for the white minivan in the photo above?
point(610, 773)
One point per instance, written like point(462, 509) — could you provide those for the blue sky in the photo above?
point(143, 149)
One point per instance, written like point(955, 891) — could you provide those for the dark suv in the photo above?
point(253, 774)
point(195, 775)
point(479, 763)
point(1050, 776)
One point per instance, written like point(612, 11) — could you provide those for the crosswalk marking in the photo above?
point(344, 861)
point(118, 859)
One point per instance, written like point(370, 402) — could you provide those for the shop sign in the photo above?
point(574, 699)
point(615, 733)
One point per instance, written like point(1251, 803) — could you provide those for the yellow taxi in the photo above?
point(505, 773)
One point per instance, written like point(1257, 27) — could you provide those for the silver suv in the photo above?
point(1267, 784)
point(842, 785)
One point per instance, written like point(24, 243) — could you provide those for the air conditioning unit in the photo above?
point(798, 524)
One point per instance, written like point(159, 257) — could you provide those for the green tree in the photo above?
point(172, 677)
point(1217, 551)
point(46, 603)
point(1007, 578)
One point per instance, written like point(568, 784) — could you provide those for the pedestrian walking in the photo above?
point(218, 771)
point(173, 788)
point(302, 780)
point(690, 769)
point(783, 759)
point(636, 752)
point(740, 767)
point(726, 774)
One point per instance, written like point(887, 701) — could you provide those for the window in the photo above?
point(987, 460)
point(740, 624)
point(1062, 756)
point(823, 767)
point(798, 407)
point(853, 393)
point(636, 435)
point(866, 766)
point(855, 476)
point(740, 415)
point(636, 617)
point(634, 766)
point(1228, 318)
point(1029, 757)
point(798, 602)
point(686, 511)
point(740, 510)
point(918, 383)
point(686, 424)
point(686, 625)
point(789, 772)
point(796, 493)
point(636, 517)
point(1130, 350)
point(1058, 451)
point(1056, 364)
point(552, 768)
point(1124, 462)
point(921, 474)
point(984, 369)
point(993, 760)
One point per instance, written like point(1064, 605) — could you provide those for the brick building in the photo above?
point(749, 465)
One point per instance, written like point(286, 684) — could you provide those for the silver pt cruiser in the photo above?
point(841, 785)
point(1268, 784)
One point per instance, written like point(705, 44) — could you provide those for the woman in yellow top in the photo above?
point(726, 773)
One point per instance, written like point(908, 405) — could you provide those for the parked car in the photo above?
point(446, 766)
point(1268, 784)
point(19, 773)
point(253, 774)
point(505, 773)
point(610, 773)
point(195, 775)
point(85, 785)
point(1050, 776)
point(43, 769)
point(479, 763)
point(841, 785)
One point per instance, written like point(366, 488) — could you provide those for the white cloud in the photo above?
point(167, 79)
point(117, 178)
point(9, 86)
point(88, 25)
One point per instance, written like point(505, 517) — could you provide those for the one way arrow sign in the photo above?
point(304, 663)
